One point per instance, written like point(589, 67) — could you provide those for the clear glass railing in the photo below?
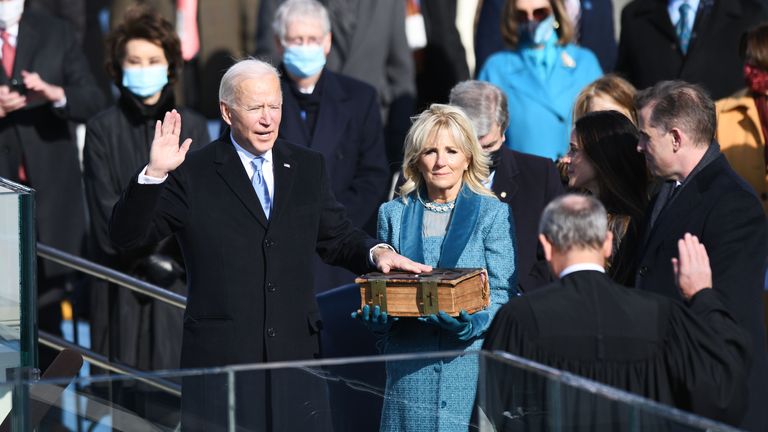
point(340, 395)
point(18, 317)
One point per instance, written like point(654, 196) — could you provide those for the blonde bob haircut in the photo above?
point(611, 86)
point(422, 135)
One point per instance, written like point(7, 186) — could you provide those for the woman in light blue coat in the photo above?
point(542, 72)
point(445, 218)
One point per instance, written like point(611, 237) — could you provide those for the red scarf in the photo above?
point(757, 81)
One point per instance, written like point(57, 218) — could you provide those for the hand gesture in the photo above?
point(387, 260)
point(692, 270)
point(166, 155)
point(37, 89)
point(10, 101)
point(377, 322)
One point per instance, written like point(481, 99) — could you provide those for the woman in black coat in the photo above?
point(144, 59)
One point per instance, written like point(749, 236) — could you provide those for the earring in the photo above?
point(556, 25)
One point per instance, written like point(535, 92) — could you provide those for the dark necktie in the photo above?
point(683, 27)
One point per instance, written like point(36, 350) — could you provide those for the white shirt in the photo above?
point(673, 8)
point(581, 267)
point(267, 168)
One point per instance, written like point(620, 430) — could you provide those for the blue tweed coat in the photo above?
point(431, 395)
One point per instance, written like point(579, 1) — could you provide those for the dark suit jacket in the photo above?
point(527, 183)
point(717, 206)
point(41, 134)
point(349, 134)
point(649, 50)
point(595, 31)
point(250, 280)
point(695, 358)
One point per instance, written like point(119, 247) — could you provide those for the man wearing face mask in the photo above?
point(525, 182)
point(45, 83)
point(333, 114)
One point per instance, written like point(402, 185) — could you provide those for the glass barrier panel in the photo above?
point(343, 395)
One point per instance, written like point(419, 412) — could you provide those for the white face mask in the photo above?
point(10, 12)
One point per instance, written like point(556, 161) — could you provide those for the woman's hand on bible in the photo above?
point(376, 321)
point(166, 154)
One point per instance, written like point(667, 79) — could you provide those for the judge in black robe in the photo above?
point(692, 356)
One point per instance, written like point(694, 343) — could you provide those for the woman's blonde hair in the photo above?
point(509, 27)
point(424, 130)
point(612, 86)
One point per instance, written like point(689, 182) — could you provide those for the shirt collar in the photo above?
point(247, 156)
point(581, 267)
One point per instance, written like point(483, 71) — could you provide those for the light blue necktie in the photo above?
point(260, 185)
point(683, 27)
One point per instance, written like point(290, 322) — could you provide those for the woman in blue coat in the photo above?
point(445, 218)
point(541, 73)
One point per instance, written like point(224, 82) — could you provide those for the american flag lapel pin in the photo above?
point(287, 165)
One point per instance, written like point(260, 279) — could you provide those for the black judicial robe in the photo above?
point(695, 358)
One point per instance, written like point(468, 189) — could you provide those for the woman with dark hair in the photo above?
point(603, 160)
point(742, 118)
point(144, 59)
point(541, 72)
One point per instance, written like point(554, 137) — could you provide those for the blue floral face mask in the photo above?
point(537, 32)
point(145, 81)
point(303, 61)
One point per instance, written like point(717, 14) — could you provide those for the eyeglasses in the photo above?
point(538, 14)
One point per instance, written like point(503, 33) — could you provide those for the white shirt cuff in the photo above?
point(380, 245)
point(61, 103)
point(145, 179)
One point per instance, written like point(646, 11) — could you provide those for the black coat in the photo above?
point(527, 183)
point(720, 208)
point(42, 134)
point(349, 133)
point(695, 358)
point(649, 50)
point(117, 144)
point(250, 280)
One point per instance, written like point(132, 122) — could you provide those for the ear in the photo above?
point(280, 48)
point(327, 43)
point(547, 246)
point(677, 139)
point(226, 114)
point(607, 245)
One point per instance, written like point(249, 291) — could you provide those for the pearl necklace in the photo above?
point(439, 207)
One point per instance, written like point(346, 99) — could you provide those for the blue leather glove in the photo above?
point(466, 326)
point(376, 321)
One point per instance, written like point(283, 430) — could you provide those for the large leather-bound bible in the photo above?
point(414, 295)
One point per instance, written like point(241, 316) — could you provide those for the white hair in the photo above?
point(297, 9)
point(240, 71)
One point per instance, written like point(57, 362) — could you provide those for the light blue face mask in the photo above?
point(303, 61)
point(145, 81)
point(538, 32)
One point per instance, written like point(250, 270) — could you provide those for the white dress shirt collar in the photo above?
point(247, 157)
point(581, 267)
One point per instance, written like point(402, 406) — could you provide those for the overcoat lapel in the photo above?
point(283, 167)
point(232, 172)
point(26, 47)
point(504, 184)
point(460, 229)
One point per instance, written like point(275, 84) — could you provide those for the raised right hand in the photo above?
point(166, 155)
point(692, 270)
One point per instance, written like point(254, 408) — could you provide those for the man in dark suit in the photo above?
point(702, 195)
point(45, 83)
point(525, 182)
point(249, 211)
point(693, 356)
point(333, 114)
point(653, 47)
